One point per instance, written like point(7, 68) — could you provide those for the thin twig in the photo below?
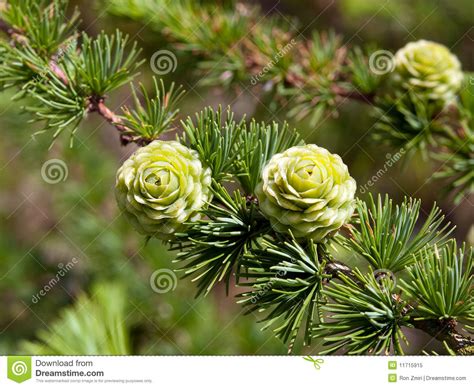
point(353, 94)
point(15, 34)
point(96, 104)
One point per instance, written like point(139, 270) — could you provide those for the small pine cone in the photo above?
point(307, 191)
point(429, 69)
point(161, 186)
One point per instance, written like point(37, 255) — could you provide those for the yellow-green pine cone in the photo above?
point(161, 186)
point(429, 69)
point(307, 191)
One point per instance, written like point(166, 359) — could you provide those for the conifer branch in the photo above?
point(444, 330)
point(97, 104)
point(92, 94)
point(18, 37)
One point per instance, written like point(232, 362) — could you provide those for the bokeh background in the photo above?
point(45, 226)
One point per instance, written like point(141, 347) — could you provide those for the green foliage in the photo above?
point(215, 138)
point(313, 93)
point(43, 22)
point(46, 62)
point(156, 114)
point(286, 279)
point(323, 50)
point(21, 67)
point(211, 249)
point(457, 157)
point(466, 105)
point(59, 105)
point(388, 238)
point(440, 282)
point(404, 120)
point(257, 144)
point(363, 316)
point(271, 54)
point(363, 78)
point(234, 149)
point(94, 326)
point(457, 147)
point(297, 284)
point(104, 63)
point(217, 31)
point(274, 41)
point(310, 78)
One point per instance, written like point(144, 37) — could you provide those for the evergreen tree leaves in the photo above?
point(58, 105)
point(404, 120)
point(457, 163)
point(236, 149)
point(21, 67)
point(364, 79)
point(43, 24)
point(95, 325)
point(147, 120)
point(215, 137)
point(256, 145)
point(105, 64)
point(212, 248)
point(315, 74)
point(363, 316)
point(440, 283)
point(46, 61)
point(387, 236)
point(295, 283)
point(456, 152)
point(286, 278)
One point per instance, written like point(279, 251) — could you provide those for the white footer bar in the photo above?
point(236, 371)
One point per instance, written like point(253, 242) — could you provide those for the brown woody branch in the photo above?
point(353, 94)
point(15, 34)
point(444, 330)
point(97, 104)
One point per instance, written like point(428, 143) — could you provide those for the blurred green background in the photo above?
point(44, 226)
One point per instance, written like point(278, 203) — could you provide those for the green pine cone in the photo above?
point(307, 191)
point(429, 69)
point(161, 186)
